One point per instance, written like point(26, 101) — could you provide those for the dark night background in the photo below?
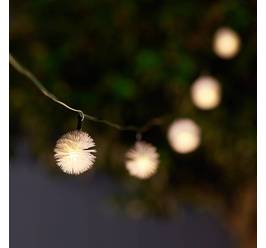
point(128, 62)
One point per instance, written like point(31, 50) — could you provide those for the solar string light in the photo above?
point(75, 151)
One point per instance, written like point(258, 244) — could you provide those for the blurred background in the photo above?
point(130, 62)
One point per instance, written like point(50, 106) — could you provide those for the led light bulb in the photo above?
point(142, 160)
point(74, 152)
point(206, 92)
point(184, 135)
point(226, 43)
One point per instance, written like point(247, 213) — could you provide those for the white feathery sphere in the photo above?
point(142, 160)
point(74, 152)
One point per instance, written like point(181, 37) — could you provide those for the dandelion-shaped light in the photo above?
point(142, 160)
point(74, 152)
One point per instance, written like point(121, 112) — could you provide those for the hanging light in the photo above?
point(226, 43)
point(184, 135)
point(206, 92)
point(74, 152)
point(142, 160)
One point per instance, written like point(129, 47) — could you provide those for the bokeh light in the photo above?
point(184, 135)
point(206, 92)
point(226, 43)
point(142, 160)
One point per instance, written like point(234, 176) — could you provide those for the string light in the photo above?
point(142, 160)
point(184, 135)
point(206, 92)
point(226, 43)
point(74, 152)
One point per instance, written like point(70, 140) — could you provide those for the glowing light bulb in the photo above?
point(226, 43)
point(73, 152)
point(206, 92)
point(142, 160)
point(184, 135)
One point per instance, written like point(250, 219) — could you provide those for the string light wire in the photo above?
point(139, 130)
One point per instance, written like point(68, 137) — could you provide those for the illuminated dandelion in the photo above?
point(73, 152)
point(206, 92)
point(184, 135)
point(142, 160)
point(226, 43)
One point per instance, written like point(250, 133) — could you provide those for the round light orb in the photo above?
point(142, 160)
point(74, 152)
point(226, 43)
point(184, 135)
point(206, 92)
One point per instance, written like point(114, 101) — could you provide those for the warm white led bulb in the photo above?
point(73, 152)
point(226, 43)
point(184, 135)
point(142, 160)
point(206, 92)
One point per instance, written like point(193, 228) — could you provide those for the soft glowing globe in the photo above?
point(184, 135)
point(206, 92)
point(226, 43)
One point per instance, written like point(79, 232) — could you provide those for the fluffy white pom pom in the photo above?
point(142, 160)
point(73, 152)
